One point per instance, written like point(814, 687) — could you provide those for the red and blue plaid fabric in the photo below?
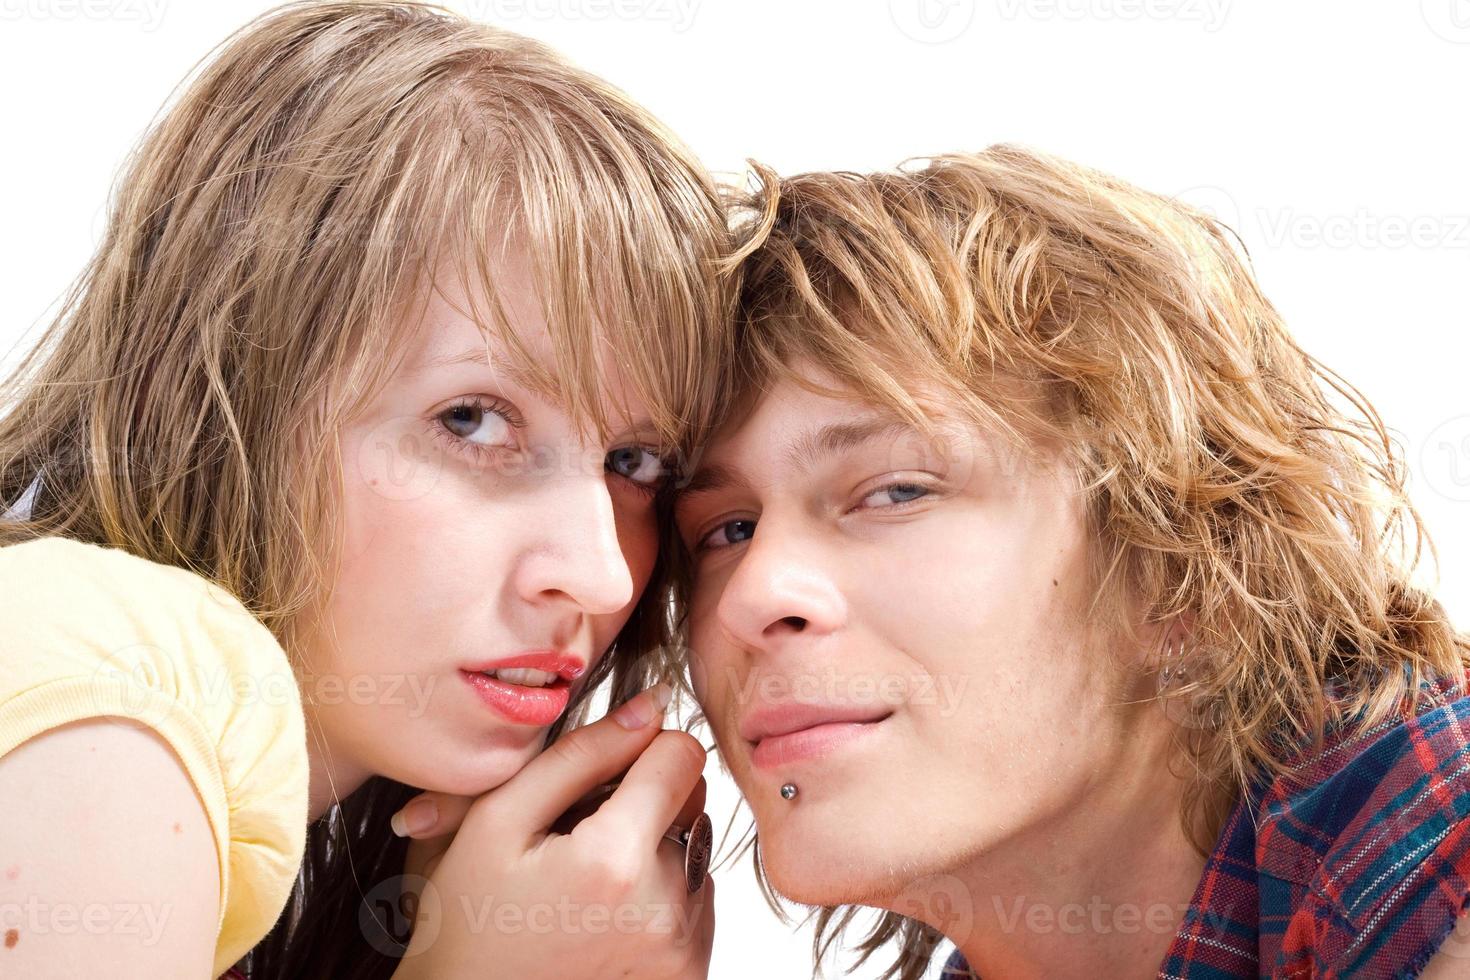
point(1354, 863)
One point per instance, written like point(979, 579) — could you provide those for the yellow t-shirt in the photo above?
point(87, 630)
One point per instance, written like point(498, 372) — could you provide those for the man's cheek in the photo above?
point(717, 692)
point(699, 681)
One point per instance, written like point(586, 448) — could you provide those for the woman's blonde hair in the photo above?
point(1059, 306)
point(247, 299)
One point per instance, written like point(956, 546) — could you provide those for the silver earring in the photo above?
point(788, 792)
point(1174, 667)
point(1201, 712)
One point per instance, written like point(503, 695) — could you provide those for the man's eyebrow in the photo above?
point(804, 452)
point(707, 479)
point(812, 447)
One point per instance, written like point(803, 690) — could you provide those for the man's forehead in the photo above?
point(799, 446)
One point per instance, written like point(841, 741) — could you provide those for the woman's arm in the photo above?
point(108, 866)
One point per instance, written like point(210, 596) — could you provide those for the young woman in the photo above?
point(1043, 595)
point(339, 477)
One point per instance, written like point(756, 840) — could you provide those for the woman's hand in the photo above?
point(608, 899)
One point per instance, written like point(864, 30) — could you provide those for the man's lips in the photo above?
point(783, 718)
point(794, 731)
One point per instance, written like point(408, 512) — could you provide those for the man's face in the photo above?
point(911, 611)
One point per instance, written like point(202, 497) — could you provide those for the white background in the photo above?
point(1331, 133)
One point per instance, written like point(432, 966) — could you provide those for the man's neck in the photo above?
point(1101, 891)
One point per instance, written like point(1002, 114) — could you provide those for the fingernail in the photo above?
point(415, 818)
point(644, 708)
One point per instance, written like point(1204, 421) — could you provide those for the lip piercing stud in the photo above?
point(788, 792)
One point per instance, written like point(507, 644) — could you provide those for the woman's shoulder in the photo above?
point(92, 631)
point(34, 568)
point(74, 607)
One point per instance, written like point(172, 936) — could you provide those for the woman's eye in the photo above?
point(728, 533)
point(897, 493)
point(643, 466)
point(485, 426)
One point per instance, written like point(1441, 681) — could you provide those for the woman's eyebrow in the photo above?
point(474, 355)
point(471, 355)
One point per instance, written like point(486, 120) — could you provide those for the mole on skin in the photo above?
point(12, 936)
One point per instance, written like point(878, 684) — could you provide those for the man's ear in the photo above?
point(1181, 631)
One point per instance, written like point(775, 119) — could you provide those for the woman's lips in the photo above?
point(518, 703)
point(808, 743)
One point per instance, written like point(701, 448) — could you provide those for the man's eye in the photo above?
point(728, 533)
point(897, 494)
point(636, 463)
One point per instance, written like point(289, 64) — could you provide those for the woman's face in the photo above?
point(482, 527)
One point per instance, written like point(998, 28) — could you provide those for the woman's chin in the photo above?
point(468, 774)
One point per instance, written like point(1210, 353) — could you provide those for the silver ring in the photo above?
point(697, 840)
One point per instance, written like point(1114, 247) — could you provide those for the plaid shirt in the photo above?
point(1355, 863)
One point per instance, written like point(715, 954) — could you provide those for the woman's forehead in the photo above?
point(458, 327)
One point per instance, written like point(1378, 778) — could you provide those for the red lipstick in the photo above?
point(526, 704)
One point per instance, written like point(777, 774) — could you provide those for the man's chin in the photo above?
point(812, 876)
point(810, 890)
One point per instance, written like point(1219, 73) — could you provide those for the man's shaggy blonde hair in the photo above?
point(1229, 476)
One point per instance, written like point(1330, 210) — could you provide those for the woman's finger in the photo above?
point(654, 792)
point(431, 815)
point(693, 805)
point(576, 763)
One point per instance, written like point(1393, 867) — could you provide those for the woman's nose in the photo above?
point(575, 549)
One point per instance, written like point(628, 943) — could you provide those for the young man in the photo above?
point(1039, 596)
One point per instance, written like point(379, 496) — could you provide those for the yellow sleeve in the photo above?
point(87, 631)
